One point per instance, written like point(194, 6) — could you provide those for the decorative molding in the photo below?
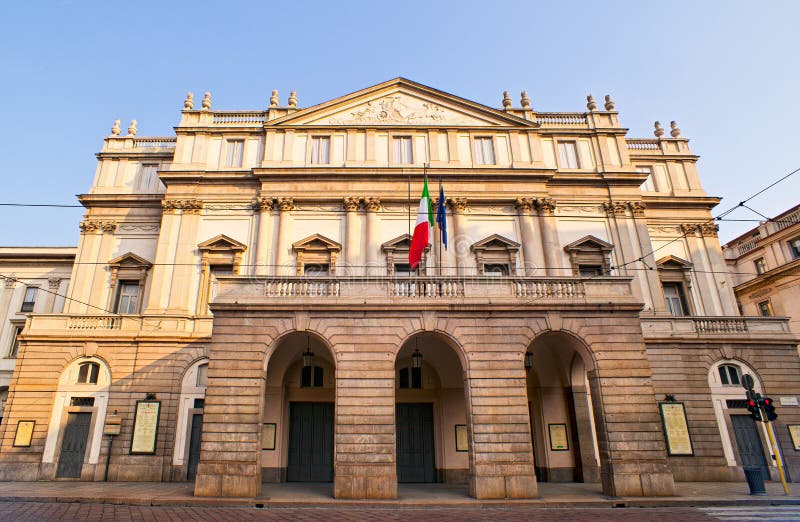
point(189, 206)
point(372, 204)
point(286, 204)
point(97, 226)
point(10, 281)
point(263, 203)
point(523, 204)
point(580, 209)
point(705, 229)
point(545, 206)
point(616, 208)
point(637, 208)
point(53, 283)
point(397, 109)
point(458, 204)
point(137, 227)
point(350, 203)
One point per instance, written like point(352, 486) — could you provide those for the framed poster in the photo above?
point(462, 441)
point(24, 434)
point(268, 436)
point(794, 434)
point(558, 437)
point(145, 427)
point(676, 428)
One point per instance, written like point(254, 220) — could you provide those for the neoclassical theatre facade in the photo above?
point(241, 310)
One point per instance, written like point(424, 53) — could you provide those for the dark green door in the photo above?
point(194, 446)
point(73, 445)
point(310, 442)
point(749, 443)
point(415, 459)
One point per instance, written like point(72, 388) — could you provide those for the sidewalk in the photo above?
point(410, 495)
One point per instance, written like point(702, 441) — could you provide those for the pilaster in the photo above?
point(352, 242)
point(546, 208)
point(459, 240)
point(283, 263)
point(531, 248)
point(263, 206)
point(372, 206)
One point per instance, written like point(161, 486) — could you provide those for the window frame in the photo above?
point(92, 375)
point(562, 163)
point(121, 285)
point(760, 265)
point(399, 151)
point(726, 369)
point(765, 306)
point(232, 160)
point(794, 247)
point(13, 349)
point(681, 298)
point(314, 150)
point(480, 150)
point(28, 306)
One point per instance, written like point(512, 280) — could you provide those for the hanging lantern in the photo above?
point(416, 359)
point(308, 355)
point(528, 360)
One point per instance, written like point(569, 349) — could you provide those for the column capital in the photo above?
point(10, 281)
point(459, 204)
point(616, 208)
point(545, 206)
point(89, 226)
point(372, 204)
point(192, 206)
point(350, 203)
point(285, 204)
point(637, 208)
point(705, 229)
point(53, 283)
point(263, 203)
point(524, 204)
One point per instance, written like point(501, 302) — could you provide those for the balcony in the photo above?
point(708, 328)
point(117, 326)
point(428, 291)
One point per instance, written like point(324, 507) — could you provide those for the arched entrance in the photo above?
point(431, 416)
point(186, 455)
point(297, 432)
point(560, 408)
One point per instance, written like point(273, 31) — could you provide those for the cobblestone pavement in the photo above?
point(47, 511)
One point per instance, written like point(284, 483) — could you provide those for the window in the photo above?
point(765, 308)
point(148, 179)
point(15, 341)
point(127, 297)
point(675, 298)
point(320, 150)
point(402, 150)
point(30, 299)
point(316, 270)
point(729, 375)
point(590, 270)
point(484, 151)
point(312, 377)
point(415, 381)
point(233, 155)
point(589, 256)
point(81, 401)
point(88, 372)
point(794, 248)
point(648, 185)
point(761, 265)
point(202, 375)
point(404, 270)
point(568, 154)
point(495, 270)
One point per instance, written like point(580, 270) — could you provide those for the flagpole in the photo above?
point(440, 227)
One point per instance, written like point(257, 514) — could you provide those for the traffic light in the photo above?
point(769, 409)
point(753, 406)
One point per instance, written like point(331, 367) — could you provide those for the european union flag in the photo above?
point(441, 215)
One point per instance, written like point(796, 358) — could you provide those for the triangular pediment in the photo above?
point(130, 260)
point(221, 242)
point(402, 242)
point(673, 262)
point(495, 242)
point(401, 102)
point(589, 243)
point(317, 242)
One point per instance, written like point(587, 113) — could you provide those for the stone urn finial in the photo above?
point(188, 103)
point(506, 100)
point(525, 101)
point(674, 130)
point(609, 105)
point(207, 101)
point(293, 99)
point(658, 130)
point(115, 130)
point(590, 103)
point(273, 100)
point(132, 128)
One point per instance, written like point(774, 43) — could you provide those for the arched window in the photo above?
point(88, 372)
point(202, 375)
point(729, 375)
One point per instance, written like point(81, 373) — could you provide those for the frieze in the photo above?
point(580, 209)
point(133, 228)
point(397, 109)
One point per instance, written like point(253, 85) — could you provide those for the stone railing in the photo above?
point(788, 220)
point(709, 327)
point(387, 290)
point(94, 322)
point(154, 143)
point(561, 118)
point(643, 145)
point(78, 325)
point(238, 117)
point(746, 246)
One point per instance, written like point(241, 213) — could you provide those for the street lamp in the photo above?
point(308, 355)
point(528, 360)
point(416, 359)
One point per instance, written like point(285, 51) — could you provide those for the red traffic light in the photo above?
point(767, 401)
point(751, 403)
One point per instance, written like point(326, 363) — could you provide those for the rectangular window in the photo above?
point(410, 378)
point(317, 270)
point(648, 185)
point(675, 298)
point(403, 153)
point(794, 248)
point(14, 350)
point(148, 179)
point(320, 150)
point(484, 151)
point(127, 297)
point(495, 270)
point(404, 270)
point(312, 376)
point(234, 153)
point(202, 375)
point(30, 299)
point(568, 154)
point(590, 270)
point(761, 265)
point(765, 308)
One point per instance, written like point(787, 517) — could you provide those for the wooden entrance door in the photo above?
point(415, 450)
point(194, 445)
point(749, 443)
point(310, 442)
point(73, 445)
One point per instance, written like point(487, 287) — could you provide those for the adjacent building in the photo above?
point(242, 311)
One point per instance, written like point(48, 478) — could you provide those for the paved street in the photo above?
point(40, 512)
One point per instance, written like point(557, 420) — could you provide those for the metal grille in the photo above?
point(736, 403)
point(81, 401)
point(199, 403)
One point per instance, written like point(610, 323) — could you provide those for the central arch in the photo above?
point(432, 442)
point(297, 429)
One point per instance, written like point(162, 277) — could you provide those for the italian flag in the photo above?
point(422, 231)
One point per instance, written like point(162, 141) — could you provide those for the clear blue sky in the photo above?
point(726, 71)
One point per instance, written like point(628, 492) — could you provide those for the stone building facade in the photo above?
point(254, 273)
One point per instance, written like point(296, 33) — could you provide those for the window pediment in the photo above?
point(316, 243)
point(496, 255)
point(589, 243)
point(495, 242)
point(316, 250)
point(130, 260)
point(591, 255)
point(673, 263)
point(396, 251)
point(221, 243)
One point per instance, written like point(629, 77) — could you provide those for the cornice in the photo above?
point(769, 277)
point(121, 200)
